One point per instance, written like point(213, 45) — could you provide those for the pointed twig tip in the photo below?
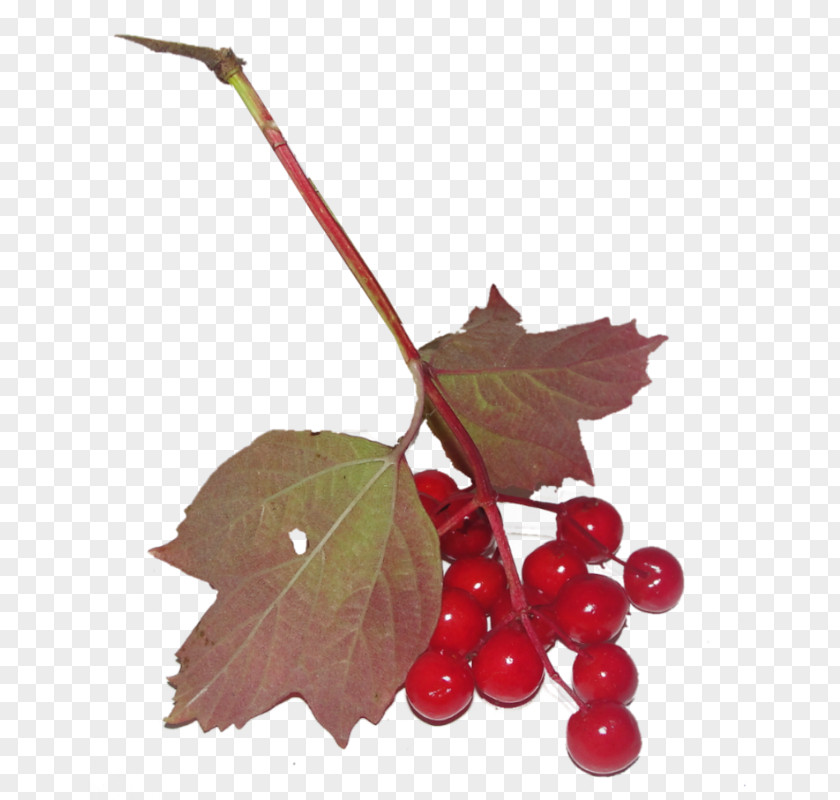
point(223, 62)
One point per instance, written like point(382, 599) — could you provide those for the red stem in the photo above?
point(488, 499)
point(484, 492)
point(485, 495)
point(527, 501)
point(557, 508)
point(228, 69)
point(322, 212)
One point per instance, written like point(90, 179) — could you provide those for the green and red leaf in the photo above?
point(338, 624)
point(520, 395)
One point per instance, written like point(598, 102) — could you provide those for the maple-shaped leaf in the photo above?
point(338, 624)
point(520, 395)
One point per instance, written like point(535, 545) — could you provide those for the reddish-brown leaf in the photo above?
point(520, 395)
point(339, 624)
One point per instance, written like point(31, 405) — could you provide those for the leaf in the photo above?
point(520, 395)
point(339, 624)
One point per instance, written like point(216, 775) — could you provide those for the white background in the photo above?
point(166, 298)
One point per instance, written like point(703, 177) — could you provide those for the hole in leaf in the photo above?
point(299, 541)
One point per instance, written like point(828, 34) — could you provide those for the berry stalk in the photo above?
point(560, 509)
point(488, 499)
point(554, 508)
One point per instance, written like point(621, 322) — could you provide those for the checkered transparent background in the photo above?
point(166, 298)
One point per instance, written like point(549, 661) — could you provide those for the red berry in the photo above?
point(653, 579)
point(437, 484)
point(590, 609)
point(473, 536)
point(593, 527)
point(439, 687)
point(549, 566)
point(507, 669)
point(482, 577)
point(603, 738)
point(604, 672)
point(461, 623)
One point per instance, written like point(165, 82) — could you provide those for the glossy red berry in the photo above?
point(604, 673)
point(653, 579)
point(461, 623)
point(590, 609)
point(434, 483)
point(472, 536)
point(549, 566)
point(482, 577)
point(603, 738)
point(507, 669)
point(592, 526)
point(439, 687)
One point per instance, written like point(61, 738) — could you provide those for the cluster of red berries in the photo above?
point(563, 601)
